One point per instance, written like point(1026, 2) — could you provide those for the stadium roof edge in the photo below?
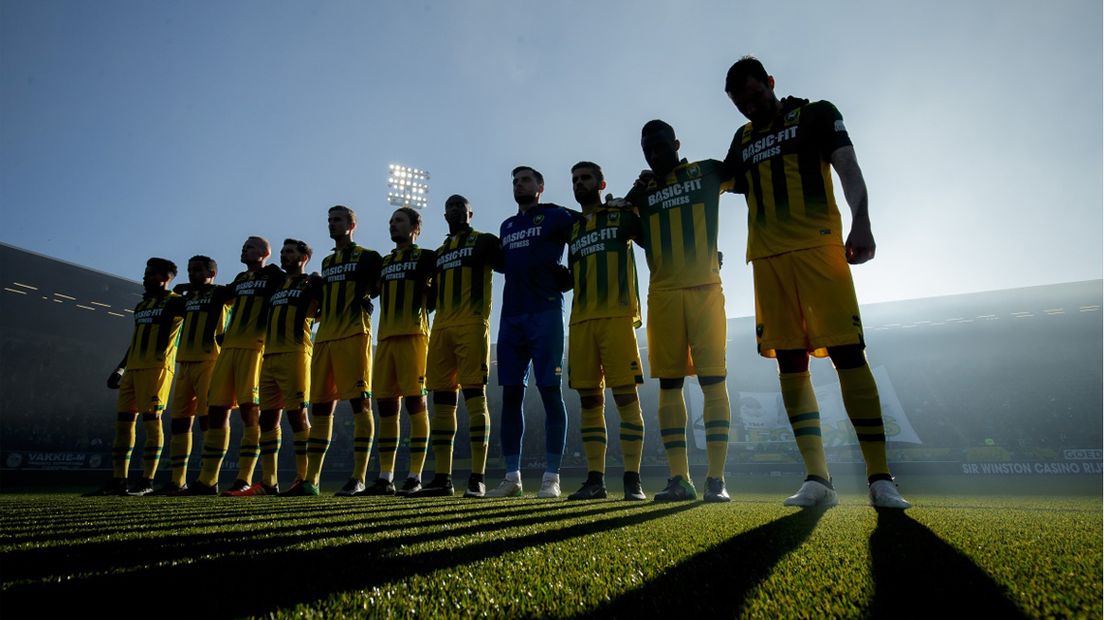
point(70, 263)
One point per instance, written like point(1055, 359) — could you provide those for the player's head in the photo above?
point(294, 255)
point(255, 251)
point(587, 182)
point(342, 222)
point(528, 185)
point(159, 272)
point(405, 225)
point(201, 270)
point(657, 140)
point(751, 89)
point(458, 211)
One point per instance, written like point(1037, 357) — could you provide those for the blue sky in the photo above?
point(130, 129)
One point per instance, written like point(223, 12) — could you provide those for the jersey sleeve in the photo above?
point(490, 250)
point(370, 273)
point(733, 164)
point(827, 123)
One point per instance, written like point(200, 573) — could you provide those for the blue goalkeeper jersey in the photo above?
point(532, 250)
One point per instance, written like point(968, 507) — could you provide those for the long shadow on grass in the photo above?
point(107, 555)
point(228, 586)
point(167, 518)
point(715, 582)
point(918, 575)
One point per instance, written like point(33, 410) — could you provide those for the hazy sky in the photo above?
point(130, 129)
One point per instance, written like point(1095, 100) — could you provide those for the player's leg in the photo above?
point(546, 341)
point(669, 360)
point(323, 398)
point(780, 333)
point(273, 387)
point(388, 408)
point(182, 409)
point(707, 331)
point(410, 369)
point(513, 374)
point(584, 365)
point(419, 438)
point(247, 374)
point(216, 437)
point(473, 353)
point(297, 417)
point(123, 445)
point(620, 358)
point(441, 382)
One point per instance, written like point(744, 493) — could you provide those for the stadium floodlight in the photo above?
point(407, 187)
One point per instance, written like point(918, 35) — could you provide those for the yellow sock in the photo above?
point(318, 442)
point(249, 449)
point(864, 407)
point(122, 448)
point(672, 427)
point(300, 446)
point(155, 443)
point(364, 430)
point(419, 440)
point(270, 452)
point(180, 448)
point(479, 432)
point(444, 434)
point(593, 427)
point(215, 443)
point(715, 414)
point(804, 414)
point(632, 434)
point(388, 442)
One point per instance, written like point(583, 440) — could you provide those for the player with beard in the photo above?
point(406, 297)
point(531, 327)
point(805, 301)
point(605, 311)
point(205, 306)
point(341, 365)
point(285, 367)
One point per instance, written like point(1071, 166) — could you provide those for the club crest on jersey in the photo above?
point(471, 241)
point(537, 219)
point(613, 217)
point(693, 171)
point(793, 116)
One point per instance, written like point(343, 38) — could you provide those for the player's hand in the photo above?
point(860, 243)
point(366, 303)
point(720, 259)
point(617, 203)
point(114, 378)
point(646, 176)
point(181, 288)
point(563, 278)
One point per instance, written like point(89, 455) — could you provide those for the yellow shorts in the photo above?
point(458, 355)
point(603, 348)
point(687, 332)
point(400, 366)
point(341, 369)
point(285, 380)
point(144, 390)
point(805, 300)
point(234, 380)
point(193, 380)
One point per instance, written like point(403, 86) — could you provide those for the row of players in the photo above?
point(804, 296)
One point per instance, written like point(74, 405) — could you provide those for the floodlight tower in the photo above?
point(407, 187)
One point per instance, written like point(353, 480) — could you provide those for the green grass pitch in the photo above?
point(322, 557)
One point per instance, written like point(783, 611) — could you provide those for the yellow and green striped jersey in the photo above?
point(291, 312)
point(205, 310)
point(463, 278)
point(679, 221)
point(405, 291)
point(600, 255)
point(349, 280)
point(785, 165)
point(157, 320)
point(249, 311)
